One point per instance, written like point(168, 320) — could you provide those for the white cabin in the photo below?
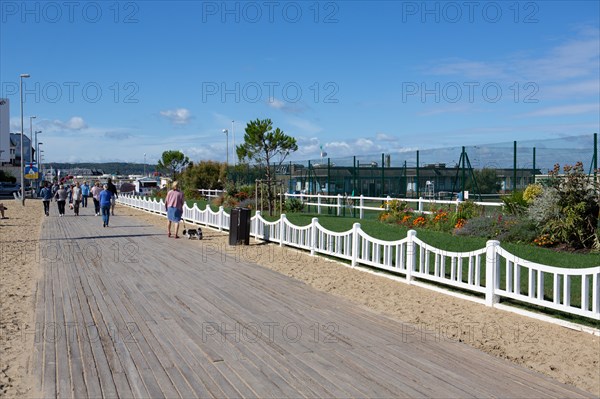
point(145, 186)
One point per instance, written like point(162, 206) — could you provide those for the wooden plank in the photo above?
point(71, 336)
point(49, 380)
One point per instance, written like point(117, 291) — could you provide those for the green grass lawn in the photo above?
point(447, 241)
point(437, 239)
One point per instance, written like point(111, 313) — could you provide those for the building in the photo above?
point(5, 143)
point(28, 150)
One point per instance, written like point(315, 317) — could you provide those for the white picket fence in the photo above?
point(361, 203)
point(491, 272)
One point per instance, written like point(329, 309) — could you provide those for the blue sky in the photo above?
point(112, 81)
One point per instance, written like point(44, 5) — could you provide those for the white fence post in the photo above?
point(257, 225)
point(361, 211)
point(411, 254)
point(282, 229)
point(387, 203)
point(339, 204)
point(221, 210)
point(355, 243)
point(313, 236)
point(420, 207)
point(492, 277)
point(319, 204)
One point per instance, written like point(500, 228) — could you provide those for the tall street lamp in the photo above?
point(36, 144)
point(226, 145)
point(37, 181)
point(31, 118)
point(38, 158)
point(23, 75)
point(144, 164)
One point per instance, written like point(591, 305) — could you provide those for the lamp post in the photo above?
point(38, 158)
point(23, 75)
point(37, 181)
point(144, 164)
point(31, 118)
point(36, 144)
point(234, 152)
point(226, 145)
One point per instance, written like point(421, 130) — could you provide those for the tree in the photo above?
point(206, 174)
point(268, 148)
point(173, 161)
point(487, 181)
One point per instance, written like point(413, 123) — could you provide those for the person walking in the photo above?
point(85, 193)
point(76, 194)
point(69, 190)
point(54, 188)
point(46, 194)
point(61, 199)
point(96, 190)
point(105, 203)
point(174, 205)
point(113, 189)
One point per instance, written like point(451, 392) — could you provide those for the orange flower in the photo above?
point(419, 222)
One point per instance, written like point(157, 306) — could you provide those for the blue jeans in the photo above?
point(105, 213)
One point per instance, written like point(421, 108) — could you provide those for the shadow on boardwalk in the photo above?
point(126, 312)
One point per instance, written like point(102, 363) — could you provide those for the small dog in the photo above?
point(193, 234)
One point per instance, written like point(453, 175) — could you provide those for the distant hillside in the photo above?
point(116, 168)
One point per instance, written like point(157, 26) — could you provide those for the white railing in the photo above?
point(210, 193)
point(340, 202)
point(491, 272)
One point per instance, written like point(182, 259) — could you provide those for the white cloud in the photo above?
point(576, 58)
point(289, 108)
point(384, 137)
point(275, 103)
point(75, 123)
point(179, 116)
point(578, 89)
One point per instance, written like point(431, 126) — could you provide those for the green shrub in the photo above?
point(191, 194)
point(468, 210)
point(515, 203)
point(508, 228)
point(532, 192)
point(294, 205)
point(480, 226)
point(569, 208)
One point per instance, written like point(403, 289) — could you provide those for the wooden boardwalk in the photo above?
point(127, 312)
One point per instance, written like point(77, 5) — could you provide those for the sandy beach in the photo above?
point(19, 272)
point(568, 356)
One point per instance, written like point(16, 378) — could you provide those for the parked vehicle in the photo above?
point(9, 188)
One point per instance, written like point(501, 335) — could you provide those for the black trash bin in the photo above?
point(239, 226)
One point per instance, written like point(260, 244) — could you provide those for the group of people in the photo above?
point(77, 195)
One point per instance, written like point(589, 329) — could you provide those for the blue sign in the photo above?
point(31, 171)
